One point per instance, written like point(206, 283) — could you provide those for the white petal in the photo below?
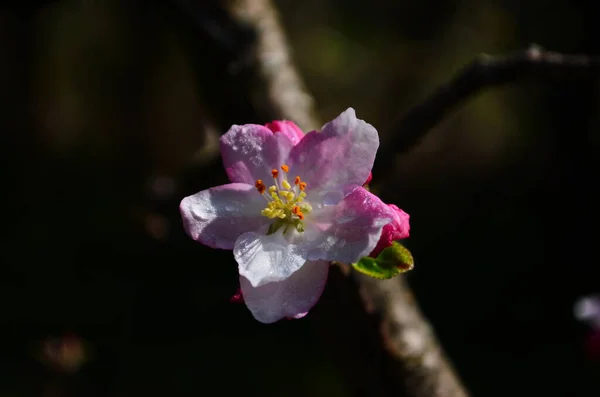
point(218, 216)
point(292, 297)
point(267, 258)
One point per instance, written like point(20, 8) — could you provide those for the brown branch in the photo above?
point(483, 72)
point(409, 339)
point(409, 359)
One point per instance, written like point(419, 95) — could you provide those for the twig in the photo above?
point(409, 339)
point(483, 72)
point(277, 82)
point(414, 361)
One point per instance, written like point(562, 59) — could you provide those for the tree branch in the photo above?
point(408, 339)
point(409, 359)
point(483, 72)
point(277, 83)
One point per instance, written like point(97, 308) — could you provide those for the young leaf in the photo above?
point(392, 261)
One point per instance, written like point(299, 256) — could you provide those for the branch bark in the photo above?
point(278, 84)
point(485, 71)
point(415, 364)
point(408, 339)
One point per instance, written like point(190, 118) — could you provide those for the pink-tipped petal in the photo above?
point(266, 258)
point(349, 230)
point(251, 151)
point(288, 128)
point(218, 216)
point(397, 229)
point(290, 298)
point(342, 154)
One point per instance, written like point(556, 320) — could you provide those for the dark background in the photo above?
point(109, 116)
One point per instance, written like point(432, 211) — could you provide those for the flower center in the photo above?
point(285, 203)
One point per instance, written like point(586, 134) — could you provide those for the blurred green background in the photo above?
point(110, 115)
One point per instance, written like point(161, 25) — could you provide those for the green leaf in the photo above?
point(392, 261)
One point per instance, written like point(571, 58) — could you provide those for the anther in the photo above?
point(298, 212)
point(289, 196)
point(260, 186)
point(302, 186)
point(297, 180)
point(274, 172)
point(285, 168)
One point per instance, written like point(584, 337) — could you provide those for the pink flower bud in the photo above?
point(397, 229)
point(237, 297)
point(288, 128)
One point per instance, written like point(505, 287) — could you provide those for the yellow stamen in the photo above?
point(288, 196)
point(284, 203)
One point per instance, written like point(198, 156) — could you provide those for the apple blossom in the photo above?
point(295, 203)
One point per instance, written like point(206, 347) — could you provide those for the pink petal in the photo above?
point(342, 154)
point(288, 128)
point(251, 151)
point(291, 297)
point(349, 230)
point(397, 229)
point(369, 178)
point(218, 216)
